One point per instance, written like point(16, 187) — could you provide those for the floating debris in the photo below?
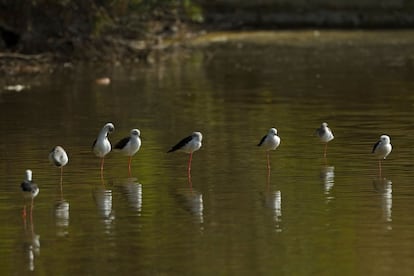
point(103, 81)
point(17, 87)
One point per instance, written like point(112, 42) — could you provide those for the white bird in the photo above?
point(325, 135)
point(189, 145)
point(101, 146)
point(59, 158)
point(382, 149)
point(129, 146)
point(30, 190)
point(269, 142)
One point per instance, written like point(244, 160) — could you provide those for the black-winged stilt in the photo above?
point(325, 135)
point(59, 158)
point(101, 146)
point(189, 145)
point(129, 145)
point(269, 142)
point(381, 149)
point(30, 191)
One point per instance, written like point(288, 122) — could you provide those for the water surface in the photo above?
point(307, 215)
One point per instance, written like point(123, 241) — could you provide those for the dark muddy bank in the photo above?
point(38, 35)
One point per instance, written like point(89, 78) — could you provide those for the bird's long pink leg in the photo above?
point(61, 182)
point(268, 160)
point(24, 214)
point(102, 163)
point(326, 147)
point(189, 163)
point(189, 166)
point(379, 166)
point(190, 183)
point(268, 179)
point(31, 210)
point(102, 166)
point(129, 166)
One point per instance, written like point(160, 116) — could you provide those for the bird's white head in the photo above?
point(135, 132)
point(385, 139)
point(324, 124)
point(273, 131)
point(29, 175)
point(109, 127)
point(58, 150)
point(197, 135)
point(58, 156)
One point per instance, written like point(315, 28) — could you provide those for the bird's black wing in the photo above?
point(261, 141)
point(320, 131)
point(27, 186)
point(94, 143)
point(122, 143)
point(375, 146)
point(56, 162)
point(181, 144)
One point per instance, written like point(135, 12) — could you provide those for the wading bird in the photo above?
point(189, 145)
point(129, 145)
point(30, 191)
point(325, 135)
point(269, 142)
point(101, 146)
point(59, 158)
point(381, 149)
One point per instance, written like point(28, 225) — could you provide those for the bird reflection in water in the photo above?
point(132, 190)
point(31, 244)
point(191, 201)
point(327, 174)
point(103, 201)
point(62, 217)
point(61, 208)
point(384, 187)
point(273, 201)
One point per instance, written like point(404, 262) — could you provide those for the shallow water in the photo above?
point(307, 215)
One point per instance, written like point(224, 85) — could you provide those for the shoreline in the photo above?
point(121, 51)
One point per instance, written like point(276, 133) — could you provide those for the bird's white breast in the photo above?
point(191, 146)
point(102, 147)
point(271, 142)
point(383, 150)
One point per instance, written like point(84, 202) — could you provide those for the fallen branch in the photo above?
point(38, 57)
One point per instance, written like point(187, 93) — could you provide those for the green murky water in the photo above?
point(306, 216)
